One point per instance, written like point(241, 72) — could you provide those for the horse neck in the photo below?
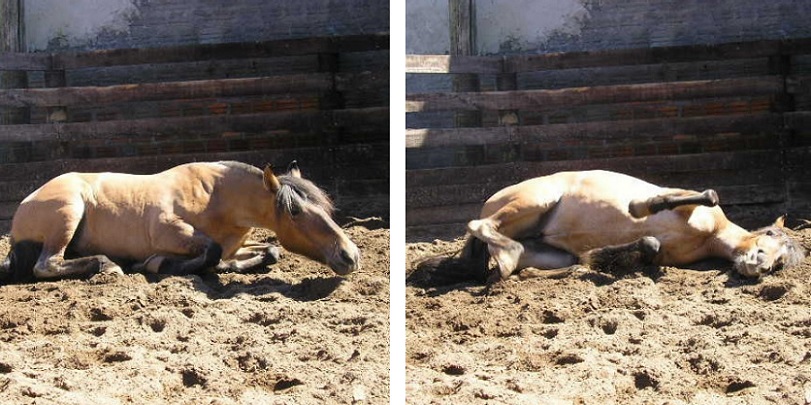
point(729, 238)
point(246, 202)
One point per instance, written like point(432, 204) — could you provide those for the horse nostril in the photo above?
point(347, 257)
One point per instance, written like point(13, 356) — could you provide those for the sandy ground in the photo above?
point(296, 334)
point(679, 337)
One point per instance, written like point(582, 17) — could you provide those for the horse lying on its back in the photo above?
point(179, 221)
point(606, 219)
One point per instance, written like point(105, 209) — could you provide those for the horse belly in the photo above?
point(578, 226)
point(114, 235)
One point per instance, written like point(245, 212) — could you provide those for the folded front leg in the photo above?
point(251, 256)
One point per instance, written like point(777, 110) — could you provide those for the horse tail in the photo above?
point(18, 267)
point(469, 264)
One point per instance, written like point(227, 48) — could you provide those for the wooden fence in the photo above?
point(735, 117)
point(321, 101)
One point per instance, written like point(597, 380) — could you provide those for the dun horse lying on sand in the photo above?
point(181, 221)
point(608, 220)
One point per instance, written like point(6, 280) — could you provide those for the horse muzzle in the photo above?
point(345, 260)
point(753, 265)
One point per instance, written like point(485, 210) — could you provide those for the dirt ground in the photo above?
point(679, 337)
point(296, 334)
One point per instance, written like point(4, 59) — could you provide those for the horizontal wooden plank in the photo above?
point(798, 84)
point(24, 61)
point(325, 157)
point(187, 53)
point(449, 214)
point(543, 99)
point(160, 127)
point(642, 56)
point(453, 64)
point(644, 166)
point(798, 120)
point(68, 96)
point(644, 129)
point(601, 58)
point(376, 117)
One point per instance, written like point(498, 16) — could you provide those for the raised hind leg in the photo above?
point(251, 255)
point(181, 249)
point(623, 258)
point(672, 200)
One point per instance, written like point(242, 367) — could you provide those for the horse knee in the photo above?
point(474, 227)
point(507, 257)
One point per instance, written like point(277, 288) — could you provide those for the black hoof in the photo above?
point(649, 247)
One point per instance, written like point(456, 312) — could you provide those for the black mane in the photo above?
point(293, 192)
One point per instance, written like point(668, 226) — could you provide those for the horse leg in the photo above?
point(622, 258)
point(672, 200)
point(511, 219)
point(55, 266)
point(540, 260)
point(182, 250)
point(543, 256)
point(51, 263)
point(250, 256)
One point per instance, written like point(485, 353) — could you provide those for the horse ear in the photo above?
point(271, 182)
point(293, 169)
point(780, 222)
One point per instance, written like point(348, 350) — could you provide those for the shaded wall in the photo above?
point(570, 25)
point(93, 24)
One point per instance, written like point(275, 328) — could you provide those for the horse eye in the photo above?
point(770, 233)
point(295, 209)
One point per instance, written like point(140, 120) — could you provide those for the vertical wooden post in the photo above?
point(462, 15)
point(331, 99)
point(11, 40)
point(56, 78)
point(507, 80)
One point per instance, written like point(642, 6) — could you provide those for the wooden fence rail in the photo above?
point(736, 117)
point(321, 101)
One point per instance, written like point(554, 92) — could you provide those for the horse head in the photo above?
point(768, 249)
point(304, 224)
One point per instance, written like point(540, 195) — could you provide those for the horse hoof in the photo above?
point(649, 246)
point(112, 268)
point(274, 253)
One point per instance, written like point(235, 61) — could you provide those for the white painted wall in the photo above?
point(521, 24)
point(74, 22)
point(537, 26)
point(427, 27)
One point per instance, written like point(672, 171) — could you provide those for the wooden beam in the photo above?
point(12, 34)
point(642, 56)
point(25, 61)
point(603, 58)
point(650, 129)
point(541, 99)
point(241, 50)
point(160, 127)
point(89, 95)
point(462, 15)
point(453, 64)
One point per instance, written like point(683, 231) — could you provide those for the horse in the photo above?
point(608, 221)
point(181, 221)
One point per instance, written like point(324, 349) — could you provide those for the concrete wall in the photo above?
point(94, 24)
point(570, 25)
